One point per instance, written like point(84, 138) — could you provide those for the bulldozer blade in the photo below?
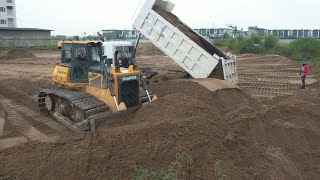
point(97, 121)
point(79, 128)
point(91, 124)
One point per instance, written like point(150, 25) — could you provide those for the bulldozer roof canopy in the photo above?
point(60, 43)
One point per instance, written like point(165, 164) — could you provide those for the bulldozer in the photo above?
point(91, 88)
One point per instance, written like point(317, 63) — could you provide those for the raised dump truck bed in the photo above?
point(195, 54)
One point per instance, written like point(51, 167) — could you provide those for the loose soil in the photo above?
point(148, 49)
point(277, 138)
point(269, 76)
point(18, 53)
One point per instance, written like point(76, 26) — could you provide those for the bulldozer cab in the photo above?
point(81, 57)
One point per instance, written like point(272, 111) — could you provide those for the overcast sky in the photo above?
point(72, 17)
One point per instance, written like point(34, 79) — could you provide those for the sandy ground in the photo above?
point(270, 76)
point(263, 141)
point(20, 81)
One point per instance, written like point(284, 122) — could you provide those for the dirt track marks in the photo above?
point(268, 76)
point(23, 124)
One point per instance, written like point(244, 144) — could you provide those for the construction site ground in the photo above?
point(268, 129)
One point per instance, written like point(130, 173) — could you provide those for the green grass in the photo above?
point(45, 47)
point(183, 164)
point(219, 170)
point(301, 49)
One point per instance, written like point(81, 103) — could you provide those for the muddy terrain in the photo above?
point(267, 129)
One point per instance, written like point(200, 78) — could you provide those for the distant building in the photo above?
point(257, 30)
point(114, 34)
point(25, 37)
point(8, 13)
point(24, 33)
point(316, 33)
point(214, 33)
point(286, 33)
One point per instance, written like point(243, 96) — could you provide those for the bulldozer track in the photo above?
point(84, 107)
point(86, 103)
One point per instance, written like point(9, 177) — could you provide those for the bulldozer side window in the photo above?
point(66, 54)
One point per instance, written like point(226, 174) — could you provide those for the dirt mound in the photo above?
point(148, 49)
point(225, 127)
point(174, 20)
point(18, 53)
point(152, 139)
point(23, 91)
point(292, 125)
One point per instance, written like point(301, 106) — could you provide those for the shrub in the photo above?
point(220, 42)
point(270, 42)
point(246, 45)
point(255, 38)
point(306, 48)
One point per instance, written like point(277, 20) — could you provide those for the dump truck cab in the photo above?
point(121, 52)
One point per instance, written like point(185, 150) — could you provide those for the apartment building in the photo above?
point(117, 34)
point(8, 13)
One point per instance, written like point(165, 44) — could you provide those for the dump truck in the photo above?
point(195, 54)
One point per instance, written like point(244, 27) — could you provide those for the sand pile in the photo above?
point(293, 126)
point(148, 50)
point(23, 91)
point(18, 53)
point(253, 142)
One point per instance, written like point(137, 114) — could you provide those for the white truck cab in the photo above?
point(119, 51)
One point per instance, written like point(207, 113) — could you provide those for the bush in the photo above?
point(306, 48)
point(220, 42)
point(255, 38)
point(270, 42)
point(246, 45)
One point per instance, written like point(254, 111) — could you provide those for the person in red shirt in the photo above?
point(303, 73)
